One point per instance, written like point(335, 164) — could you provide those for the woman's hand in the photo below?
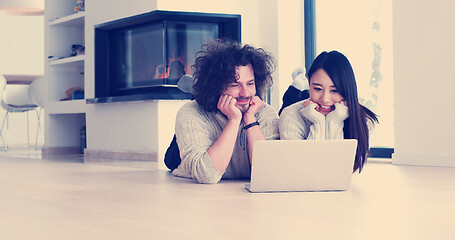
point(340, 113)
point(311, 112)
point(308, 102)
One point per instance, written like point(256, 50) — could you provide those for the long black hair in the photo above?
point(340, 71)
point(215, 68)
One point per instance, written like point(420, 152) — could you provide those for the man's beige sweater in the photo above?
point(196, 130)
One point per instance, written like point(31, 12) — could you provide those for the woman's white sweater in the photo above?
point(299, 122)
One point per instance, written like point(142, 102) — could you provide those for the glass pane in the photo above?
point(362, 30)
point(184, 40)
point(144, 53)
point(138, 53)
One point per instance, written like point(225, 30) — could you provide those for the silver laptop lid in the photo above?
point(302, 165)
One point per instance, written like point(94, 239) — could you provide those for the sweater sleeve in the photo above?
point(268, 122)
point(292, 124)
point(318, 123)
point(335, 122)
point(195, 134)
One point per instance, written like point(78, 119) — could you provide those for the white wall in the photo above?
point(424, 37)
point(21, 44)
point(149, 126)
point(130, 126)
point(22, 52)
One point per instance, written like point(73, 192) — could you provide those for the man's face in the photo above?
point(243, 89)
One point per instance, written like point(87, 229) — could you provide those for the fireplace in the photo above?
point(142, 57)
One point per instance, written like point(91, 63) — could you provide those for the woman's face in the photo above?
point(323, 92)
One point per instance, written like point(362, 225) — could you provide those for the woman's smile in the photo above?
point(324, 108)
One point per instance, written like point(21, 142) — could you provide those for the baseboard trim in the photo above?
point(46, 151)
point(423, 160)
point(98, 155)
point(381, 152)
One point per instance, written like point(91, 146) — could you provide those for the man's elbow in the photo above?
point(206, 173)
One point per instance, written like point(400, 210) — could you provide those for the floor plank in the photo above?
point(67, 199)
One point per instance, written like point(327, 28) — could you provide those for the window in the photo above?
point(362, 31)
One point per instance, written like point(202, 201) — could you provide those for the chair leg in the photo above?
point(28, 130)
point(5, 143)
point(38, 129)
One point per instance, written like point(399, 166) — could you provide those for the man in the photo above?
point(215, 133)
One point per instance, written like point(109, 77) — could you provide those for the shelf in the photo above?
point(64, 119)
point(68, 60)
point(77, 19)
point(66, 107)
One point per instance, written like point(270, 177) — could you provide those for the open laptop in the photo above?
point(302, 165)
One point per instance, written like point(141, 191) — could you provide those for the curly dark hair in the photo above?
point(215, 67)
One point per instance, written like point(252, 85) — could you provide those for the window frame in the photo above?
point(310, 55)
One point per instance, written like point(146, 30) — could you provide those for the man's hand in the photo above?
point(255, 105)
point(226, 104)
point(221, 150)
point(253, 133)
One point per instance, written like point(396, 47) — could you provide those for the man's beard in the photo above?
point(243, 107)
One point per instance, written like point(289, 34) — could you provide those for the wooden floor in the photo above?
point(62, 198)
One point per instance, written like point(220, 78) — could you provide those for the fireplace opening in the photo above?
point(143, 57)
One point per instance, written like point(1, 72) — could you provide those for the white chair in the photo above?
point(16, 98)
point(36, 92)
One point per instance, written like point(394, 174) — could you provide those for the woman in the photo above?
point(333, 110)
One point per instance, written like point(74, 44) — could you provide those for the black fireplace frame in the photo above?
point(229, 26)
